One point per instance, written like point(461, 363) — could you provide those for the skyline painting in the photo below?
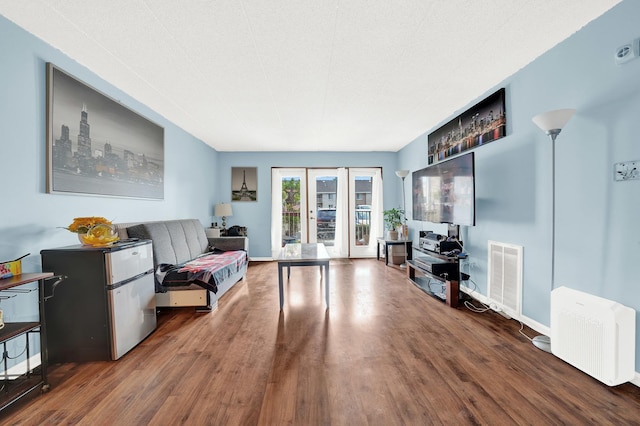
point(95, 145)
point(483, 123)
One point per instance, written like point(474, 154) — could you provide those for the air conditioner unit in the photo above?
point(593, 334)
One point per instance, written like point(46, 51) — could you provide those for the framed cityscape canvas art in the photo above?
point(244, 184)
point(96, 145)
point(483, 123)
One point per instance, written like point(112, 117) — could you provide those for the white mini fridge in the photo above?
point(106, 304)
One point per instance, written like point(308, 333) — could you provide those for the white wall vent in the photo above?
point(505, 278)
point(627, 52)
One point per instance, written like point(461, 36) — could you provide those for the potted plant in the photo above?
point(392, 220)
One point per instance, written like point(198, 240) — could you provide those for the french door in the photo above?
point(288, 207)
point(365, 211)
point(326, 192)
point(339, 207)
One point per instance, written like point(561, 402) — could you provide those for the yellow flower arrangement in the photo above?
point(94, 230)
point(81, 225)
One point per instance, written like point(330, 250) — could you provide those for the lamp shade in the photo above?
point(223, 209)
point(402, 173)
point(553, 120)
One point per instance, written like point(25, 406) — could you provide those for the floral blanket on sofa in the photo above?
point(207, 271)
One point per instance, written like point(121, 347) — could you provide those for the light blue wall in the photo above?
point(598, 233)
point(30, 219)
point(598, 230)
point(256, 216)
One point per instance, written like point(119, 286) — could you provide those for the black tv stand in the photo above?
point(420, 271)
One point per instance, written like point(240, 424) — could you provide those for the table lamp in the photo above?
point(223, 210)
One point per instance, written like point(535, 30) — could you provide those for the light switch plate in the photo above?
point(628, 170)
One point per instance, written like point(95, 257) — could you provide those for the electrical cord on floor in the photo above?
point(522, 332)
point(479, 310)
point(470, 306)
point(473, 308)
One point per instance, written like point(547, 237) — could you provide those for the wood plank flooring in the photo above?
point(384, 353)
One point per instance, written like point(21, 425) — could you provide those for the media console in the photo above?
point(429, 266)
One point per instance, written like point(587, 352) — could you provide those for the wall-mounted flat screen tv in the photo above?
point(445, 192)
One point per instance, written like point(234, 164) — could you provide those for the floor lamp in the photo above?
point(551, 123)
point(405, 230)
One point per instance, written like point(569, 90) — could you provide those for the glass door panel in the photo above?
point(289, 198)
point(322, 190)
point(325, 210)
point(364, 211)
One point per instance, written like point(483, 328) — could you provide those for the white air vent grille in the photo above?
point(505, 278)
point(627, 52)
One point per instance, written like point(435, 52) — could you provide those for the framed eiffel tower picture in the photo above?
point(244, 184)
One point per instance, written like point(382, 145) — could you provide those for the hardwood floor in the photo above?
point(384, 353)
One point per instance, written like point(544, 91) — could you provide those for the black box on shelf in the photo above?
point(439, 267)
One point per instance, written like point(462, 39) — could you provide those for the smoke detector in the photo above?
point(627, 52)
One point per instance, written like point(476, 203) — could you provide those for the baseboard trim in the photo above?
point(21, 368)
point(533, 324)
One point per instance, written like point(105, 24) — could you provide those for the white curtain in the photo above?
point(376, 230)
point(341, 245)
point(276, 212)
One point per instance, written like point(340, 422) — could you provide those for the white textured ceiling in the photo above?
point(304, 75)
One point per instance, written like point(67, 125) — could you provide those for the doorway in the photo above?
point(339, 207)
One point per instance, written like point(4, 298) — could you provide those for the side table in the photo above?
point(387, 243)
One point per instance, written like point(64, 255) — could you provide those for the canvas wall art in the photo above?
point(484, 123)
point(244, 184)
point(97, 146)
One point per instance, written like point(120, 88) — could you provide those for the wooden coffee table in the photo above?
point(303, 255)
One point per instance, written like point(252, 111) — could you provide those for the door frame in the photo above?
point(375, 225)
point(344, 242)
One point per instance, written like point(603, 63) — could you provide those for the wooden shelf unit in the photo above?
point(16, 387)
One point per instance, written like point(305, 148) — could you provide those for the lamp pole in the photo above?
point(402, 174)
point(551, 123)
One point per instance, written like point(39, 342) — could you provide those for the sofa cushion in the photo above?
point(174, 241)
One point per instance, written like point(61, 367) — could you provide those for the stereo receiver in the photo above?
point(439, 246)
point(439, 267)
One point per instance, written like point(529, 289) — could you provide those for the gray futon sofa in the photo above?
point(177, 242)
